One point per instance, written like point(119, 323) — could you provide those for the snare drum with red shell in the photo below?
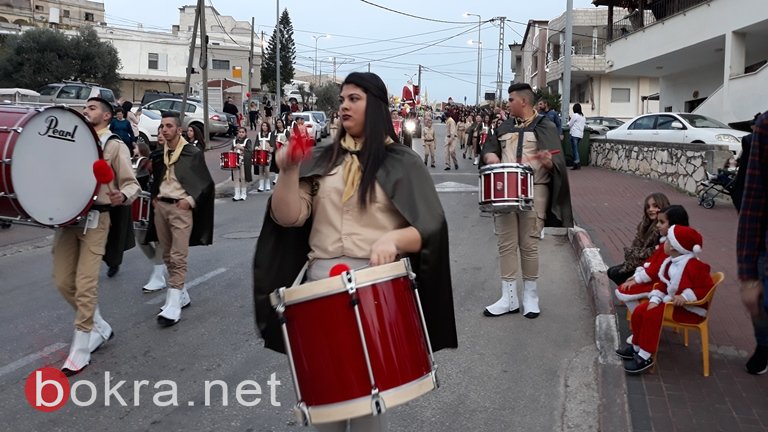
point(46, 165)
point(261, 157)
point(357, 343)
point(505, 188)
point(140, 208)
point(230, 160)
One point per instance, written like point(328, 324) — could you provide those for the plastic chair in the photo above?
point(702, 327)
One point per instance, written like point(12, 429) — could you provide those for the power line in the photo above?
point(411, 15)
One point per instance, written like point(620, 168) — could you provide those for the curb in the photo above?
point(611, 379)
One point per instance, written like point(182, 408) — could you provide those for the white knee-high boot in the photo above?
point(261, 185)
point(100, 333)
point(79, 353)
point(243, 192)
point(530, 299)
point(157, 280)
point(508, 302)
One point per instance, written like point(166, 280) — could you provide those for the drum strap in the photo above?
point(104, 139)
point(300, 277)
point(521, 136)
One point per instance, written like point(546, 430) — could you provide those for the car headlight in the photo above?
point(410, 126)
point(727, 138)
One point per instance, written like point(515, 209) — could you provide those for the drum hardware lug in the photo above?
point(7, 195)
point(6, 161)
point(302, 413)
point(377, 404)
point(435, 380)
point(280, 306)
point(349, 282)
point(11, 129)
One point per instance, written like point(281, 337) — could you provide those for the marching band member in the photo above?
point(531, 139)
point(362, 200)
point(152, 250)
point(279, 139)
point(77, 252)
point(244, 174)
point(264, 143)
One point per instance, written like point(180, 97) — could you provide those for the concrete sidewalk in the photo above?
point(677, 397)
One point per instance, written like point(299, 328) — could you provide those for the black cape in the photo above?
point(559, 211)
point(196, 180)
point(281, 252)
point(120, 237)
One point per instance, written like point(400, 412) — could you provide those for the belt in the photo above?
point(168, 200)
point(101, 208)
point(428, 140)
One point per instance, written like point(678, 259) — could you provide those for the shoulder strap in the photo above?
point(104, 139)
point(521, 135)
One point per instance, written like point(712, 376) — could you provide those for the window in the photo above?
point(620, 95)
point(162, 105)
point(107, 95)
point(89, 16)
point(157, 61)
point(665, 122)
point(643, 123)
point(39, 8)
point(220, 64)
point(65, 13)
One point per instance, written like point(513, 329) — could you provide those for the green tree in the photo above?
point(554, 99)
point(327, 97)
point(287, 55)
point(42, 56)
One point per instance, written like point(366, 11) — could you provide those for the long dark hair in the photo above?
point(676, 215)
point(378, 126)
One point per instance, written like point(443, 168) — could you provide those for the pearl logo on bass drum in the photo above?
point(53, 131)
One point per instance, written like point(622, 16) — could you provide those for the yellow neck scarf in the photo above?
point(351, 170)
point(170, 160)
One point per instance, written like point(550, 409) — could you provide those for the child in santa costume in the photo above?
point(639, 285)
point(684, 278)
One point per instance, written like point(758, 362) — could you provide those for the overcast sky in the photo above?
point(361, 32)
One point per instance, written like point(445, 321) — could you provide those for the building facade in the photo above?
point(69, 14)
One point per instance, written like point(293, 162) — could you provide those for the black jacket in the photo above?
point(196, 180)
point(281, 252)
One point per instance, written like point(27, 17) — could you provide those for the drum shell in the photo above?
point(51, 174)
point(230, 160)
point(506, 187)
point(261, 157)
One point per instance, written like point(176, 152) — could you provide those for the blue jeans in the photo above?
point(575, 148)
point(760, 324)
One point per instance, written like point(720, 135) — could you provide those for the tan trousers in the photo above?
point(540, 200)
point(429, 151)
point(517, 232)
point(174, 227)
point(450, 152)
point(76, 265)
point(462, 138)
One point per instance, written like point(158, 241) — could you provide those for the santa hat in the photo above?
point(685, 240)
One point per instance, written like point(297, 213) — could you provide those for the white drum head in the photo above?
point(52, 166)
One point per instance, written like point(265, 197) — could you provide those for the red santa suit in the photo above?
point(645, 277)
point(683, 275)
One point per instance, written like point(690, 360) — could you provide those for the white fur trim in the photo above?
point(629, 297)
point(641, 276)
point(673, 241)
point(696, 250)
point(689, 295)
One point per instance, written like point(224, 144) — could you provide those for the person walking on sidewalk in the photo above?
point(428, 136)
point(450, 144)
point(751, 244)
point(529, 141)
point(78, 250)
point(182, 197)
point(577, 123)
point(645, 241)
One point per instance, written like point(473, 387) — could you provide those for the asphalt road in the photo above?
point(509, 373)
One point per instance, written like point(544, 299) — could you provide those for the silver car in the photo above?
point(322, 120)
point(74, 93)
point(217, 122)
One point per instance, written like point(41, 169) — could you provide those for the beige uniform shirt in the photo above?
point(117, 156)
point(450, 124)
point(508, 144)
point(171, 188)
point(428, 133)
point(343, 229)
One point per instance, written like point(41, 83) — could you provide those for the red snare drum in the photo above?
point(397, 124)
point(506, 187)
point(261, 157)
point(230, 160)
point(46, 165)
point(140, 208)
point(355, 358)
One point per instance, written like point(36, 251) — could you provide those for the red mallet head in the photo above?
point(338, 269)
point(103, 172)
point(300, 145)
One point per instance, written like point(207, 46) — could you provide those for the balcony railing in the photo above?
point(653, 12)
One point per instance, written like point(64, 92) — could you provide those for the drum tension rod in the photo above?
point(11, 129)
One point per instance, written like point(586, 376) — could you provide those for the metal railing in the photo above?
point(653, 12)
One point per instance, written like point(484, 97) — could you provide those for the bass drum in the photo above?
point(46, 165)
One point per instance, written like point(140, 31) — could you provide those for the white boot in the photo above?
point(530, 299)
point(477, 159)
point(243, 193)
point(157, 280)
point(507, 303)
point(79, 354)
point(268, 184)
point(100, 333)
point(236, 197)
point(261, 185)
point(275, 179)
point(171, 312)
point(185, 300)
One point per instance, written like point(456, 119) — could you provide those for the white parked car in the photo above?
point(217, 122)
point(149, 121)
point(313, 127)
point(678, 128)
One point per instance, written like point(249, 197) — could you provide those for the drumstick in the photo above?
point(551, 152)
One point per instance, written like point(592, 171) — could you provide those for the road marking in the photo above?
point(31, 358)
point(191, 284)
point(454, 187)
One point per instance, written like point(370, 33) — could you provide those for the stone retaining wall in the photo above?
point(681, 165)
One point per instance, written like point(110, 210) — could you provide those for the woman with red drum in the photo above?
point(364, 200)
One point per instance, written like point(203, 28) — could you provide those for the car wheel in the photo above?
point(143, 138)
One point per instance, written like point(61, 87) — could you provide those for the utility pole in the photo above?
point(278, 103)
point(250, 60)
point(419, 79)
point(203, 66)
point(334, 69)
point(565, 109)
point(189, 63)
point(369, 67)
point(500, 63)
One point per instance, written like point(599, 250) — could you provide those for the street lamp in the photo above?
point(479, 24)
point(316, 37)
point(479, 67)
